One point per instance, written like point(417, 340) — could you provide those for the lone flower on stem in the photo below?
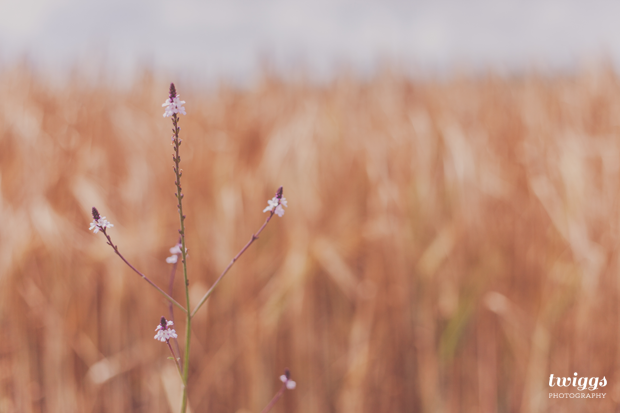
point(287, 383)
point(277, 202)
point(164, 331)
point(99, 223)
point(286, 379)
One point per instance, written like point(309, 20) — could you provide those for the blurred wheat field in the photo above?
point(447, 246)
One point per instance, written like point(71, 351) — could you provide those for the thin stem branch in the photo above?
point(275, 398)
point(177, 361)
point(115, 247)
point(254, 238)
point(170, 290)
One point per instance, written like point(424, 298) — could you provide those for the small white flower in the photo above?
point(279, 209)
point(99, 225)
point(165, 333)
point(290, 384)
point(173, 105)
point(273, 203)
point(175, 251)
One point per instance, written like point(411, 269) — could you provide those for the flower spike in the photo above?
point(276, 203)
point(173, 105)
point(99, 223)
point(164, 332)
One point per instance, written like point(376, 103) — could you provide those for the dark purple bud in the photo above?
point(279, 193)
point(173, 91)
point(96, 215)
point(287, 372)
point(163, 322)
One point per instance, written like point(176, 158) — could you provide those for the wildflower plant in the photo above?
point(164, 330)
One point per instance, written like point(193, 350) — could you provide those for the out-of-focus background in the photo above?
point(208, 40)
point(452, 173)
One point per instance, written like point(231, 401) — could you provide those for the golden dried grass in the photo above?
point(447, 245)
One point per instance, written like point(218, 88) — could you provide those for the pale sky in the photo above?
point(208, 38)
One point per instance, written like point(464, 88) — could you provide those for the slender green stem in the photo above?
point(254, 238)
point(115, 247)
point(188, 327)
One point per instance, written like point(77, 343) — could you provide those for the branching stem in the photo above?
point(115, 247)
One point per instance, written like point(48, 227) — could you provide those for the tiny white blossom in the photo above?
point(279, 209)
point(290, 384)
point(100, 224)
point(175, 251)
point(165, 333)
point(273, 203)
point(173, 105)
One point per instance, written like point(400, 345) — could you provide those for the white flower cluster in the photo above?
point(100, 225)
point(165, 334)
point(175, 251)
point(273, 203)
point(173, 105)
point(290, 384)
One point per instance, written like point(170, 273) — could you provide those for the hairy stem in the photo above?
point(179, 195)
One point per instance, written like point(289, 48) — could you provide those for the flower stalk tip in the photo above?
point(287, 383)
point(173, 105)
point(99, 223)
point(286, 379)
point(277, 203)
point(164, 330)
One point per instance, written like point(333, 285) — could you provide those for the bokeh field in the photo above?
point(448, 244)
